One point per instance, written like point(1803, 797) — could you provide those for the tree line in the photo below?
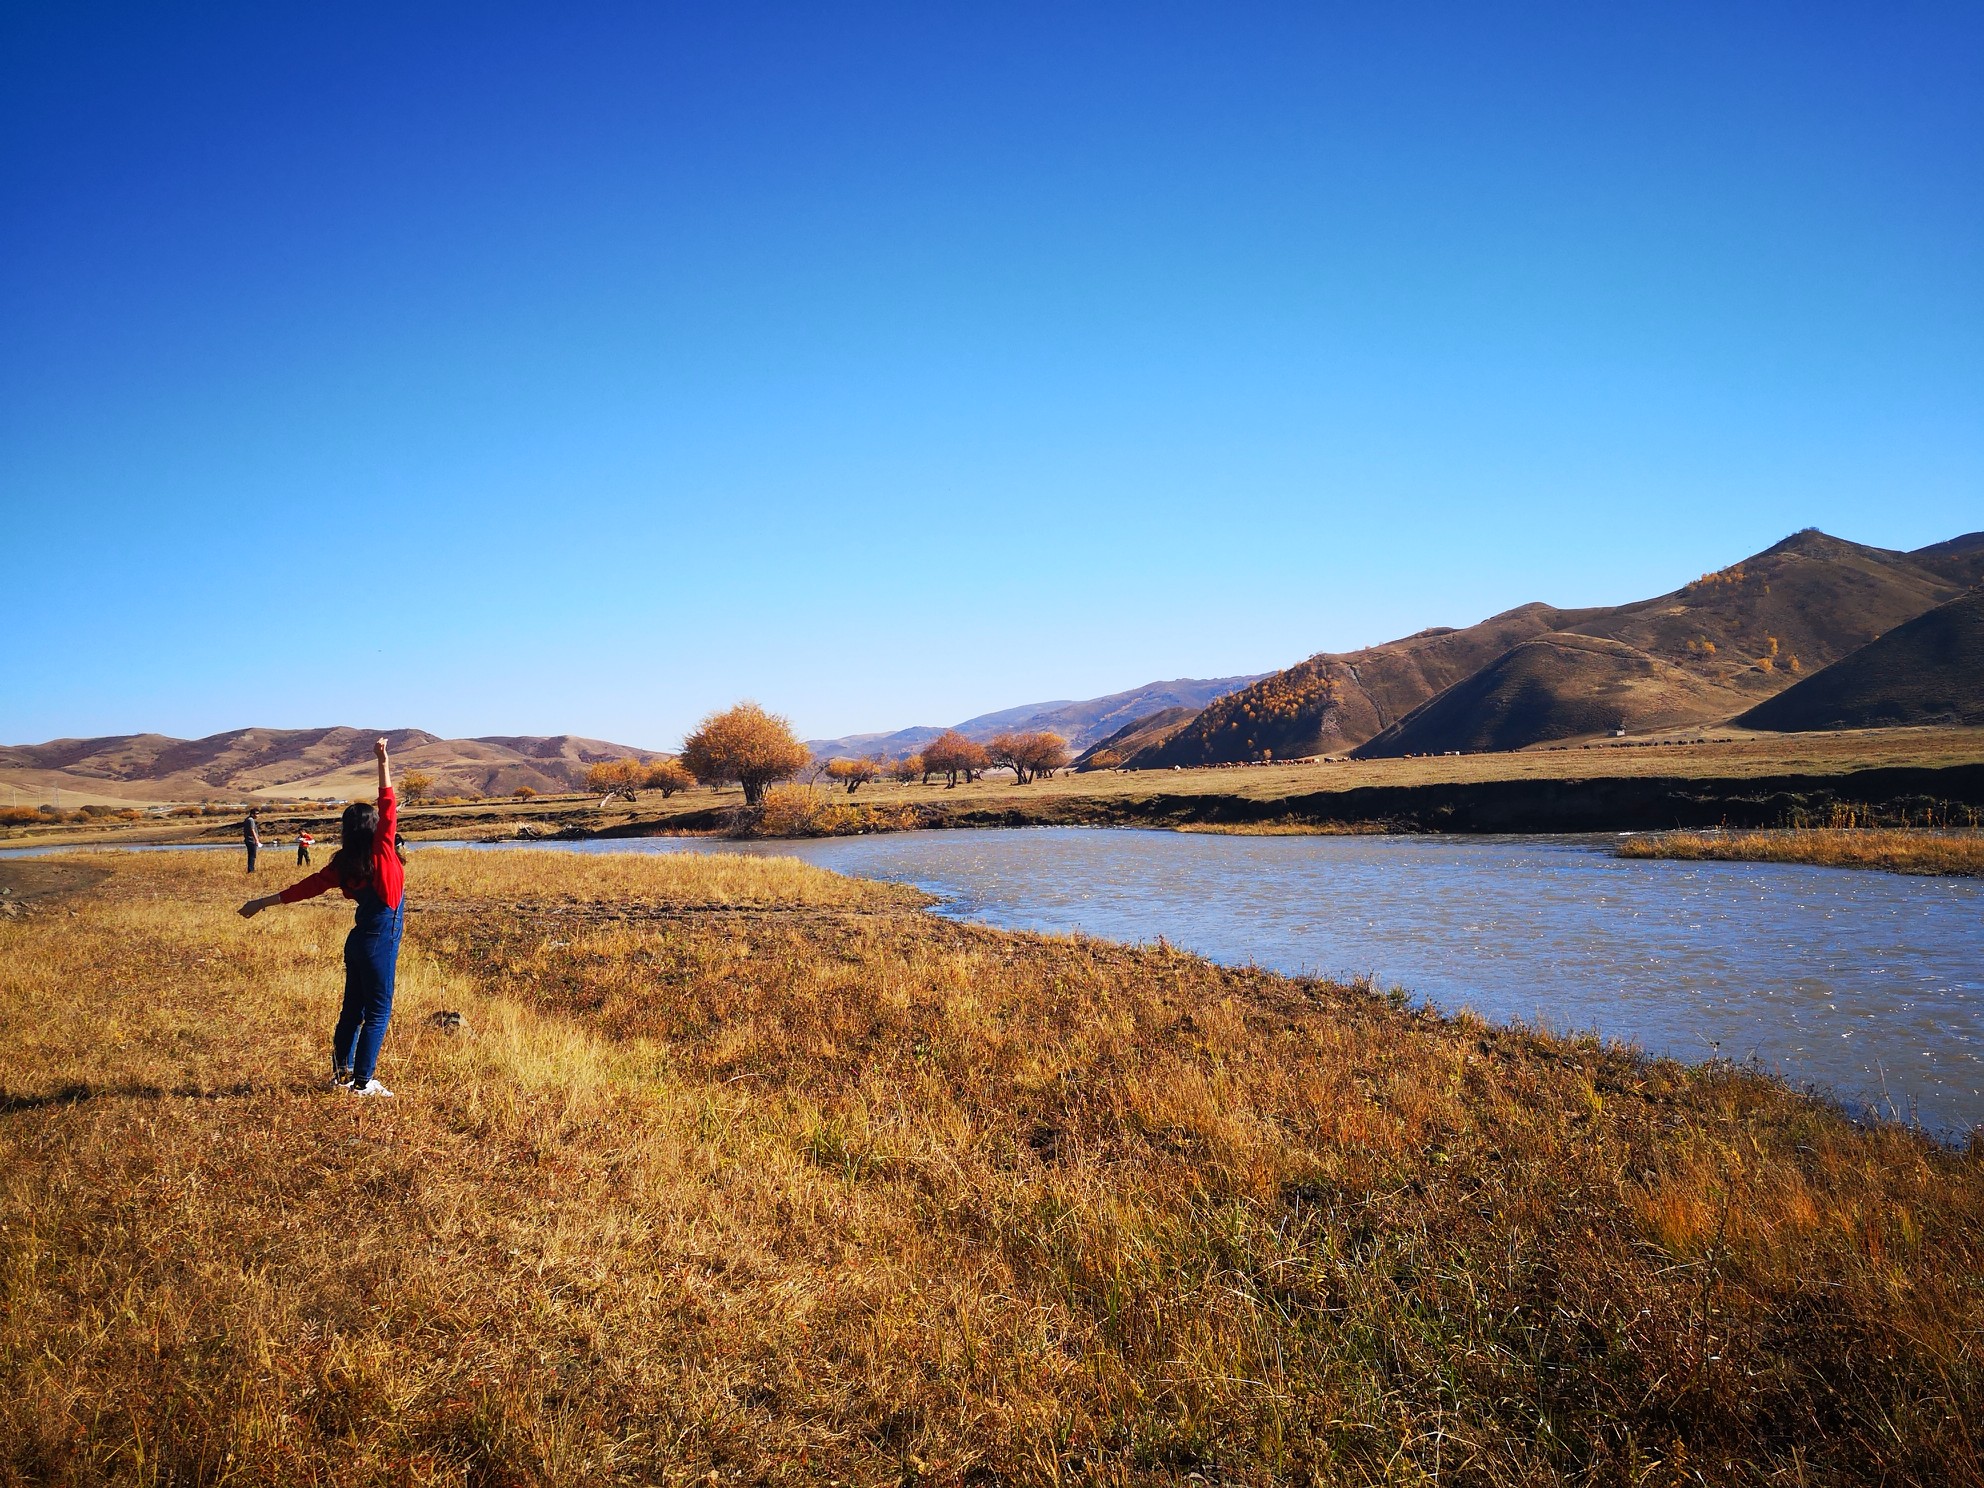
point(747, 746)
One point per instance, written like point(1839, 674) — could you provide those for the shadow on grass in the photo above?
point(75, 1095)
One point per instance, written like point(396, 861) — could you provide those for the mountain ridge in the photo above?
point(1082, 722)
point(1695, 654)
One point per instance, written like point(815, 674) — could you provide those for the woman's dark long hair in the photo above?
point(357, 831)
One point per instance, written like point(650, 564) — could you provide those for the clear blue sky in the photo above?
point(496, 369)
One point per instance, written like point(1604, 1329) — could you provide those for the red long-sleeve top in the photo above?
point(388, 877)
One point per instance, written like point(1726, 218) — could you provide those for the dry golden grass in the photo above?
point(751, 1174)
point(1895, 850)
point(677, 882)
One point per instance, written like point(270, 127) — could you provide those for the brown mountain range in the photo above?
point(323, 762)
point(1701, 653)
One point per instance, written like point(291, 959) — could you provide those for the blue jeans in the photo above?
point(371, 959)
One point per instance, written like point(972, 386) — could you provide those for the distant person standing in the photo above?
point(367, 868)
point(303, 843)
point(250, 837)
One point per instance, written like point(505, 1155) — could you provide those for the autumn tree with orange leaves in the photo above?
point(951, 754)
point(1029, 755)
point(747, 745)
point(852, 773)
point(668, 776)
point(616, 777)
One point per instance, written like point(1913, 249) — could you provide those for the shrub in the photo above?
point(789, 811)
point(796, 811)
point(523, 793)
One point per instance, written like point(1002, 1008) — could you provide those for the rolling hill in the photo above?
point(1334, 701)
point(1928, 671)
point(1697, 654)
point(323, 762)
point(1080, 723)
point(1555, 686)
point(1707, 651)
point(1139, 734)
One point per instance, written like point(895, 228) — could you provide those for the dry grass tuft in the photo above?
point(748, 1173)
point(1895, 850)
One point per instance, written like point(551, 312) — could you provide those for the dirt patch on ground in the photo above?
point(23, 880)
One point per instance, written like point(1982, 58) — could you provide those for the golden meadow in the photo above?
point(743, 1172)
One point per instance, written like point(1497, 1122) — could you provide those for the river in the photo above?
point(1866, 986)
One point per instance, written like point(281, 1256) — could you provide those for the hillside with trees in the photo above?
point(1110, 752)
point(1928, 671)
point(1697, 654)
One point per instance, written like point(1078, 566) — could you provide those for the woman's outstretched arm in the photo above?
point(385, 769)
point(321, 882)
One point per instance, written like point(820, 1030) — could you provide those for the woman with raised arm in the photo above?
point(367, 867)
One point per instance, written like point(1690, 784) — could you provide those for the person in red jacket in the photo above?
point(367, 867)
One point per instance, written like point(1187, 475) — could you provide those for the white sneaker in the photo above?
point(340, 1079)
point(370, 1087)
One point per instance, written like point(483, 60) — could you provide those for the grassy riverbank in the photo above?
point(752, 1171)
point(1920, 850)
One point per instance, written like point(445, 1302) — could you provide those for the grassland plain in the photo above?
point(1731, 769)
point(749, 1173)
point(1890, 850)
